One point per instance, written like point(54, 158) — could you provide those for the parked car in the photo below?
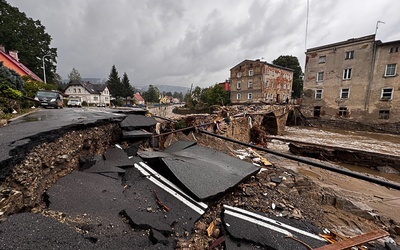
point(101, 104)
point(74, 103)
point(48, 98)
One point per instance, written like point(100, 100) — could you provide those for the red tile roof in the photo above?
point(20, 66)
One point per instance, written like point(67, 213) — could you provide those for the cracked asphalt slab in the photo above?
point(205, 172)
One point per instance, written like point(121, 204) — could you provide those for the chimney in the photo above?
point(14, 54)
point(2, 48)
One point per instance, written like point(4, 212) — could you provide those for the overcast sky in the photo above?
point(180, 42)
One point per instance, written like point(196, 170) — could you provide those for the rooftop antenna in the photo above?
point(376, 28)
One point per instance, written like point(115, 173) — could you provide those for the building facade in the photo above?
point(255, 81)
point(355, 79)
point(92, 94)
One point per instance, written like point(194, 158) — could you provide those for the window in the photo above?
point(239, 74)
point(322, 59)
point(347, 74)
point(238, 85)
point(74, 90)
point(250, 85)
point(238, 96)
point(317, 111)
point(391, 69)
point(79, 90)
point(345, 93)
point(394, 49)
point(284, 86)
point(320, 76)
point(267, 83)
point(251, 72)
point(384, 114)
point(349, 55)
point(318, 94)
point(95, 98)
point(250, 96)
point(343, 112)
point(387, 94)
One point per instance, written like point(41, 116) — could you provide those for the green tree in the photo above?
point(74, 75)
point(32, 87)
point(152, 94)
point(292, 62)
point(127, 87)
point(29, 38)
point(11, 83)
point(114, 83)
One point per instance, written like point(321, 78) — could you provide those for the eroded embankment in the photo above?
point(48, 161)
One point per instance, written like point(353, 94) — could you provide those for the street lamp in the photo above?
point(44, 69)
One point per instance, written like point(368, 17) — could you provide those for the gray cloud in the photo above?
point(179, 42)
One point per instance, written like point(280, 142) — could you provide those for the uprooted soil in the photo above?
point(329, 200)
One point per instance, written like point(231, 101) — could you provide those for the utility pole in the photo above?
point(376, 28)
point(44, 68)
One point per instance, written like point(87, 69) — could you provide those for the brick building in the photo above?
point(253, 81)
point(355, 79)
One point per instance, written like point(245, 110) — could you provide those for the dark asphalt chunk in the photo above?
point(205, 172)
point(133, 122)
point(34, 231)
point(158, 204)
point(179, 145)
point(135, 134)
point(102, 166)
point(117, 157)
point(94, 202)
point(275, 233)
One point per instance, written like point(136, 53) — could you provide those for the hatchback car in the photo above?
point(74, 103)
point(48, 98)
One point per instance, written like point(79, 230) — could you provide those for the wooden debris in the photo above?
point(159, 203)
point(210, 228)
point(355, 241)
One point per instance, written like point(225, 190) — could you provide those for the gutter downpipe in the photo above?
point(316, 164)
point(371, 76)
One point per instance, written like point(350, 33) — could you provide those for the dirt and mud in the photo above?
point(290, 189)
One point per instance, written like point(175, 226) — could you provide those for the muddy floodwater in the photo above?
point(366, 141)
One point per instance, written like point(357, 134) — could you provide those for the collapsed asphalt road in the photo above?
point(109, 198)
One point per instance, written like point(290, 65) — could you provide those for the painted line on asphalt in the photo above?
point(196, 206)
point(258, 222)
point(266, 220)
point(167, 182)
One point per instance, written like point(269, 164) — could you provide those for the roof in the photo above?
point(20, 66)
point(262, 62)
point(90, 87)
point(370, 38)
point(138, 97)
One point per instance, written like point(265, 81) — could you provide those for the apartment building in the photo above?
point(256, 81)
point(355, 79)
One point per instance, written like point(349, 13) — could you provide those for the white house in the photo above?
point(92, 94)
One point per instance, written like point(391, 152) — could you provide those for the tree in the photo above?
point(215, 95)
point(152, 94)
point(127, 87)
point(11, 83)
point(29, 38)
point(292, 62)
point(74, 75)
point(114, 83)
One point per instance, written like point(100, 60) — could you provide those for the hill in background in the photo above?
point(166, 88)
